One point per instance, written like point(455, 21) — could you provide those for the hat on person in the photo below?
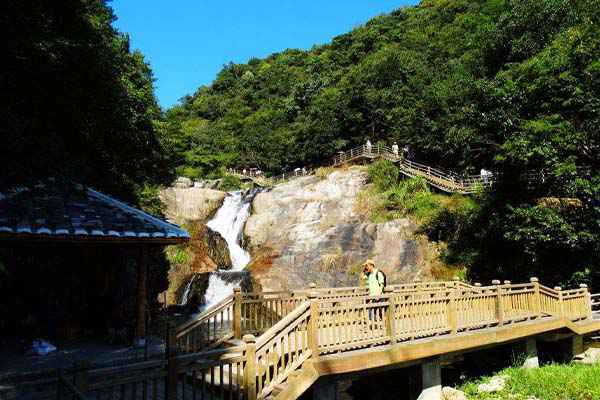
point(369, 262)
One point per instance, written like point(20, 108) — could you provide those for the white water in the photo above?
point(186, 292)
point(229, 222)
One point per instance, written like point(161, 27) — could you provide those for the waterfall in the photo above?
point(186, 292)
point(229, 222)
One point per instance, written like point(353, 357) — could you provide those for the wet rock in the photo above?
point(495, 384)
point(213, 246)
point(308, 230)
point(449, 393)
point(191, 203)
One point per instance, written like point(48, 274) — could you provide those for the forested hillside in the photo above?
point(76, 102)
point(511, 86)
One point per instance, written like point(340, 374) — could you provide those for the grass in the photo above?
point(323, 172)
point(550, 382)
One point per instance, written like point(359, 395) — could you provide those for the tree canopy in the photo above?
point(77, 103)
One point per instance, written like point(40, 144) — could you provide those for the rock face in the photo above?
point(206, 251)
point(308, 230)
point(191, 203)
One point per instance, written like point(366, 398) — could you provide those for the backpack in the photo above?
point(384, 278)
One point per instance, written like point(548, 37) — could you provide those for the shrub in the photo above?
point(383, 174)
point(189, 172)
point(229, 183)
point(369, 204)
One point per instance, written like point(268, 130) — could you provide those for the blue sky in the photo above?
point(188, 41)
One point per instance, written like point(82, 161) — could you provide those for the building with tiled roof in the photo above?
point(73, 259)
point(78, 213)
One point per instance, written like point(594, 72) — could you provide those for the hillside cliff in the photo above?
point(309, 230)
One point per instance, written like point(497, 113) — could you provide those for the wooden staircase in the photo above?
point(275, 345)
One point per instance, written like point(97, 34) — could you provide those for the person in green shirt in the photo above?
point(374, 278)
point(375, 282)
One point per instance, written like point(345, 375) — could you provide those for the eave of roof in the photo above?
point(139, 226)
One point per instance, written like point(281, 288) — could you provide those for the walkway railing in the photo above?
point(443, 180)
point(310, 324)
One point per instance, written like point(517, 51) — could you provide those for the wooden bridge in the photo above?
point(443, 180)
point(276, 345)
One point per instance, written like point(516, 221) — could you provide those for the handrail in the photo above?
point(73, 391)
point(184, 327)
point(271, 332)
point(445, 180)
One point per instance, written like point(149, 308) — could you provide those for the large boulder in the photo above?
point(191, 203)
point(309, 230)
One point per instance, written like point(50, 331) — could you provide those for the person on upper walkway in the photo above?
point(395, 149)
point(369, 146)
point(485, 176)
point(406, 152)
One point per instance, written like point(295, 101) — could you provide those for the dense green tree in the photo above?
point(76, 101)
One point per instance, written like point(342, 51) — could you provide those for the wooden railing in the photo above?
point(260, 311)
point(236, 315)
point(595, 304)
point(210, 329)
point(281, 350)
point(444, 180)
point(313, 323)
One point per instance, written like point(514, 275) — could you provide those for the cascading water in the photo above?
point(186, 292)
point(229, 222)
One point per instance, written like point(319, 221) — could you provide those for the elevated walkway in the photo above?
point(443, 180)
point(276, 345)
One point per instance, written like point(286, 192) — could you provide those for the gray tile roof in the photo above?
point(76, 212)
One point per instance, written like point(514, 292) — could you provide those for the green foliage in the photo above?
point(229, 183)
point(383, 174)
point(178, 255)
point(551, 382)
point(77, 101)
point(149, 200)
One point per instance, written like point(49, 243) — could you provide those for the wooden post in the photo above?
point(171, 353)
point(81, 376)
point(237, 313)
point(59, 384)
point(499, 303)
point(537, 301)
point(452, 317)
point(455, 282)
point(390, 318)
point(250, 370)
point(141, 296)
point(561, 309)
point(313, 326)
point(587, 302)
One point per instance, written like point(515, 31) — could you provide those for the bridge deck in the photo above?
point(305, 334)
